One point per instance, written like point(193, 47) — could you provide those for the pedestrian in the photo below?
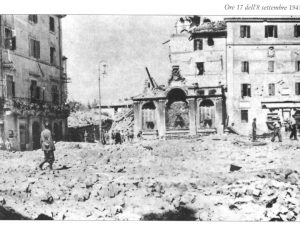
point(293, 128)
point(139, 135)
point(118, 137)
point(8, 145)
point(254, 130)
point(47, 146)
point(131, 135)
point(277, 132)
point(113, 137)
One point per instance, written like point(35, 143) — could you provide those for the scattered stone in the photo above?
point(234, 168)
point(2, 201)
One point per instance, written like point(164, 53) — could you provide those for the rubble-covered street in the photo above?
point(187, 179)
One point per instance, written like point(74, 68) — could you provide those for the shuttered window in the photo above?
point(297, 66)
point(200, 68)
point(297, 30)
point(245, 31)
point(297, 88)
point(33, 18)
point(271, 66)
point(198, 44)
point(51, 24)
point(10, 87)
point(34, 48)
point(9, 39)
point(245, 67)
point(271, 89)
point(271, 31)
point(246, 90)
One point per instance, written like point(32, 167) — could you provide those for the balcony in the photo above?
point(35, 107)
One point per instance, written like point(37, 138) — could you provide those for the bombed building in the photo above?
point(224, 74)
point(33, 79)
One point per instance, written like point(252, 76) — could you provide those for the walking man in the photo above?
point(47, 146)
point(277, 131)
point(254, 130)
point(293, 128)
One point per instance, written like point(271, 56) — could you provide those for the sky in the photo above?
point(128, 44)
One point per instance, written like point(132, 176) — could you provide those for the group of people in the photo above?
point(6, 145)
point(291, 126)
point(117, 137)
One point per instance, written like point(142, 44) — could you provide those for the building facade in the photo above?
point(225, 74)
point(263, 74)
point(33, 79)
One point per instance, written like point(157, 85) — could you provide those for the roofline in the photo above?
point(262, 19)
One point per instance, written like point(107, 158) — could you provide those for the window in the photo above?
point(200, 68)
point(34, 48)
point(51, 24)
point(271, 66)
point(271, 31)
point(55, 95)
point(244, 116)
point(245, 31)
point(271, 89)
point(210, 41)
point(246, 90)
point(245, 67)
point(212, 92)
point(297, 64)
point(52, 55)
point(34, 91)
point(9, 39)
point(297, 88)
point(10, 85)
point(200, 92)
point(198, 44)
point(297, 30)
point(33, 18)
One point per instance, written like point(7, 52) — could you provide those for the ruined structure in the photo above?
point(33, 79)
point(224, 74)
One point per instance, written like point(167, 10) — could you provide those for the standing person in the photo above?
point(277, 131)
point(293, 128)
point(47, 146)
point(254, 130)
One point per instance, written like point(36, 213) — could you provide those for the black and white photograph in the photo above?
point(144, 117)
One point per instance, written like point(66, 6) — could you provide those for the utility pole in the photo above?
point(103, 72)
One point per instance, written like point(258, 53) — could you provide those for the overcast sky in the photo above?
point(127, 43)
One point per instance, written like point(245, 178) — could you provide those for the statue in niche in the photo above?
point(271, 52)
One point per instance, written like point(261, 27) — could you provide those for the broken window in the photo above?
point(55, 95)
point(246, 90)
point(271, 31)
point(212, 92)
point(52, 55)
point(297, 64)
point(271, 66)
point(244, 116)
point(51, 24)
point(33, 18)
point(245, 67)
point(271, 89)
point(245, 31)
point(297, 30)
point(200, 92)
point(297, 88)
point(271, 52)
point(10, 39)
point(10, 87)
point(34, 48)
point(198, 44)
point(200, 68)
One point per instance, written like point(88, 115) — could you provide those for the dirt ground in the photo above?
point(187, 179)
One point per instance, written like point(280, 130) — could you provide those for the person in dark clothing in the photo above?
point(277, 131)
point(254, 130)
point(47, 146)
point(118, 137)
point(293, 128)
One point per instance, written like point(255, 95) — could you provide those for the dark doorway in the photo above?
point(36, 130)
point(207, 114)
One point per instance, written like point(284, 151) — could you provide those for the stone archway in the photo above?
point(207, 114)
point(177, 110)
point(148, 116)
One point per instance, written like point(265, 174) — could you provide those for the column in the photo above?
point(192, 116)
point(137, 118)
point(161, 119)
point(218, 115)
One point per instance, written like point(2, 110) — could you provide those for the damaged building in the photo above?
point(223, 75)
point(33, 79)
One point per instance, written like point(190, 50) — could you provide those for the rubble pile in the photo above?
point(123, 120)
point(84, 118)
point(157, 180)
